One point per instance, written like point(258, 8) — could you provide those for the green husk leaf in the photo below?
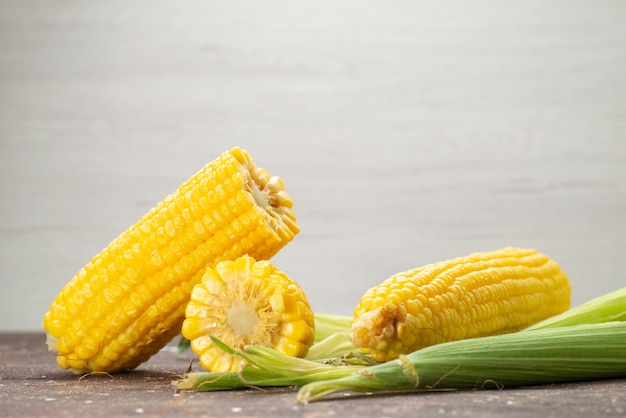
point(256, 377)
point(335, 345)
point(183, 345)
point(329, 324)
point(607, 308)
point(551, 355)
point(266, 367)
point(205, 381)
point(325, 326)
point(586, 342)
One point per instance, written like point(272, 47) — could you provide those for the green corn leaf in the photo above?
point(183, 345)
point(586, 342)
point(329, 324)
point(266, 367)
point(606, 308)
point(204, 381)
point(573, 353)
point(335, 345)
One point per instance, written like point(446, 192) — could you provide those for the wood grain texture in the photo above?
point(32, 386)
point(407, 132)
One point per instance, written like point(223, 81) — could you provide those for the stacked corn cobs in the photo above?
point(130, 300)
point(198, 263)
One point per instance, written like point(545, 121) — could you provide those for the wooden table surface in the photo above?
point(31, 384)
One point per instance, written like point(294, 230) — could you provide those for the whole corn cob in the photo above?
point(478, 295)
point(247, 302)
point(129, 301)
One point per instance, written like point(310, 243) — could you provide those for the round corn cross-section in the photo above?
point(247, 302)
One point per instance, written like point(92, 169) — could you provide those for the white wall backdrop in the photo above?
point(407, 132)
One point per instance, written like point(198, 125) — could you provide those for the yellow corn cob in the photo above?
point(129, 301)
point(247, 302)
point(478, 295)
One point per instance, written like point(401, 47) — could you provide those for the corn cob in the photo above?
point(478, 295)
point(129, 300)
point(247, 302)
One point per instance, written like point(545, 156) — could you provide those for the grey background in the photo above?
point(407, 132)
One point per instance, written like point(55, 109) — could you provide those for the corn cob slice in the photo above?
point(247, 302)
point(478, 295)
point(129, 300)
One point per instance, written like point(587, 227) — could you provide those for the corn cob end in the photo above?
point(377, 329)
point(247, 302)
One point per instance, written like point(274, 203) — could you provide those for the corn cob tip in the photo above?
point(375, 328)
point(269, 195)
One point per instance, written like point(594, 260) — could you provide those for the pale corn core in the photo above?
point(269, 195)
point(260, 197)
point(242, 319)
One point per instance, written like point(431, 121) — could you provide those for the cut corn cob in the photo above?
point(129, 301)
point(478, 295)
point(247, 302)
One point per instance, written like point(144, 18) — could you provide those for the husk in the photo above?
point(577, 352)
point(586, 342)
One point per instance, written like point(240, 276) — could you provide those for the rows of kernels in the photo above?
point(189, 263)
point(471, 296)
point(122, 269)
point(161, 324)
